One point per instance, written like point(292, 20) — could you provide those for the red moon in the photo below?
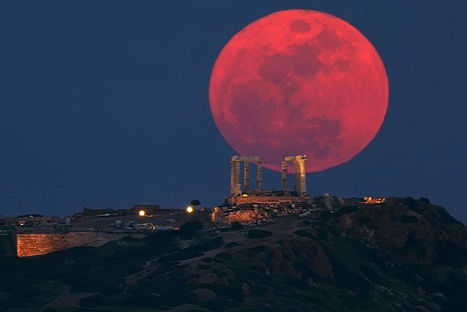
point(299, 82)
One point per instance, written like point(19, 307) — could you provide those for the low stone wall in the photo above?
point(257, 212)
point(242, 216)
point(36, 244)
point(252, 199)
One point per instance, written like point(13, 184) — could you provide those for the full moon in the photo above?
point(299, 82)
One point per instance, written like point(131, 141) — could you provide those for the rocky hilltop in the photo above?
point(397, 255)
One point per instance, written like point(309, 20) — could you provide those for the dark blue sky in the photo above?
point(105, 103)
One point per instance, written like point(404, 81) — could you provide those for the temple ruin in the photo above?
point(300, 174)
point(248, 195)
point(235, 186)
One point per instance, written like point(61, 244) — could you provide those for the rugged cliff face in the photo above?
point(407, 229)
point(400, 255)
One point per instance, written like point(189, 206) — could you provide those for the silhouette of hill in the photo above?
point(400, 255)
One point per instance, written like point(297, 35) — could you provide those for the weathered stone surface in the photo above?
point(410, 230)
point(280, 258)
point(37, 244)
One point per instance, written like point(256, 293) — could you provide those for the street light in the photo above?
point(189, 209)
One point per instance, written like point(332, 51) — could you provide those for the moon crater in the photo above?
point(299, 82)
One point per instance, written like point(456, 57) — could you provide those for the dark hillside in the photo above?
point(400, 255)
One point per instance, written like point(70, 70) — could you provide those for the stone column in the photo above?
point(284, 177)
point(246, 176)
point(235, 176)
point(232, 176)
point(259, 175)
point(238, 186)
point(297, 177)
point(300, 175)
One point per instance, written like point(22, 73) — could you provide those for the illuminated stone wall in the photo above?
point(36, 244)
point(240, 200)
point(246, 216)
point(243, 216)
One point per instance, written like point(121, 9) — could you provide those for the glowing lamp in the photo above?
point(189, 209)
point(141, 213)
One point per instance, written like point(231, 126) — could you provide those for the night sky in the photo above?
point(105, 103)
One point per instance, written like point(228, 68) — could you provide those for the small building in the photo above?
point(239, 196)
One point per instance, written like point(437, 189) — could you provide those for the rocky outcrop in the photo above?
point(247, 216)
point(405, 228)
point(283, 257)
point(399, 255)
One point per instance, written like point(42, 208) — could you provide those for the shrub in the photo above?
point(258, 233)
point(409, 201)
point(324, 216)
point(425, 200)
point(235, 226)
point(210, 244)
point(323, 233)
point(345, 210)
point(191, 227)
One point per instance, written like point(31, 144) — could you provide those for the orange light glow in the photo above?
point(141, 213)
point(189, 209)
point(373, 200)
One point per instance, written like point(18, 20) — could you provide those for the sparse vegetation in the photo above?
point(236, 226)
point(258, 233)
point(325, 267)
point(425, 200)
point(191, 227)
